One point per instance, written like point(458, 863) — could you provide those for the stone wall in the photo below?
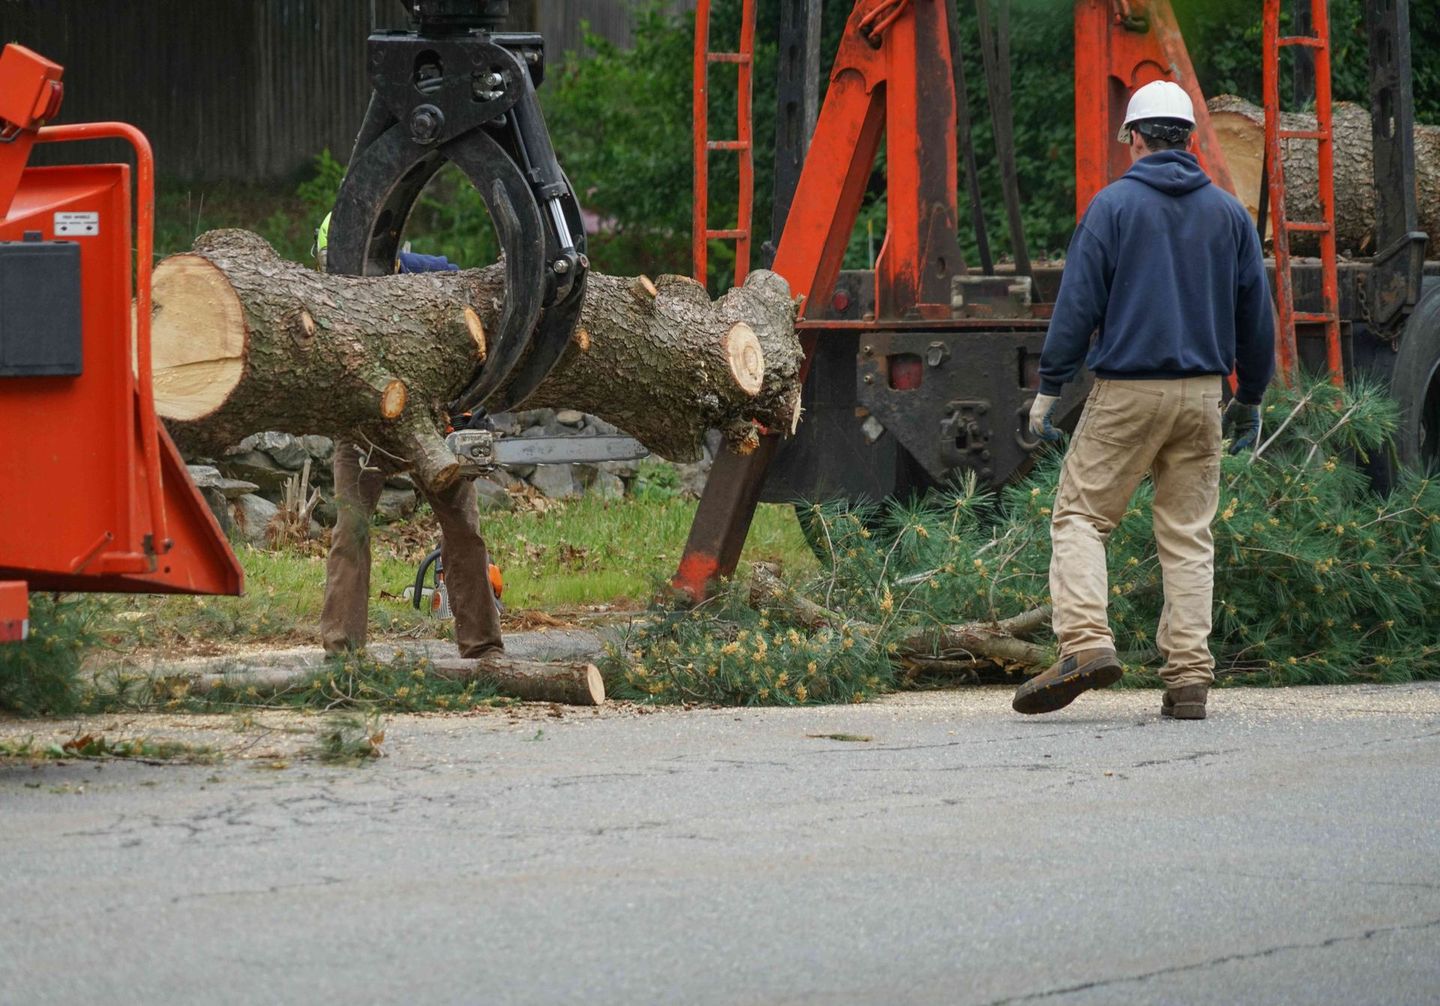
point(247, 486)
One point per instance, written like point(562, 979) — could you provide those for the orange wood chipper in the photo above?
point(93, 494)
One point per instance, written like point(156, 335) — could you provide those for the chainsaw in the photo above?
point(454, 89)
point(484, 450)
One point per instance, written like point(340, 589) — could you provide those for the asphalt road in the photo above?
point(1284, 851)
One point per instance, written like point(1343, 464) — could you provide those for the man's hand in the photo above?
point(1243, 423)
point(1040, 415)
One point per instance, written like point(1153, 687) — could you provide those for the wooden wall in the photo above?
point(561, 23)
point(241, 89)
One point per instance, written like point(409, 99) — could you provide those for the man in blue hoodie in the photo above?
point(1164, 294)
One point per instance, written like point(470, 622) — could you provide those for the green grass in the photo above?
point(598, 552)
point(586, 553)
point(183, 212)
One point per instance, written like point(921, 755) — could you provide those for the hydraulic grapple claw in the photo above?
point(452, 90)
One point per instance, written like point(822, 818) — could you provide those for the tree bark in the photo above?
point(570, 684)
point(1240, 128)
point(244, 341)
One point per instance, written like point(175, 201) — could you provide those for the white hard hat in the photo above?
point(1159, 99)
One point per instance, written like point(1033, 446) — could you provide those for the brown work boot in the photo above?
point(1184, 703)
point(1057, 687)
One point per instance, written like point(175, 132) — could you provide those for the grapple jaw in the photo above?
point(451, 91)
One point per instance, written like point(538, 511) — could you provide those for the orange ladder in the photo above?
point(744, 60)
point(1287, 356)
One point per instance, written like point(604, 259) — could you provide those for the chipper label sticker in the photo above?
point(77, 225)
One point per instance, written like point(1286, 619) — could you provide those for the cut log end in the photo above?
point(746, 358)
point(198, 336)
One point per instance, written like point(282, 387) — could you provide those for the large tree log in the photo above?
point(244, 341)
point(1240, 128)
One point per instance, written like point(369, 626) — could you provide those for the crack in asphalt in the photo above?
point(1332, 941)
point(1192, 756)
point(319, 882)
point(1418, 885)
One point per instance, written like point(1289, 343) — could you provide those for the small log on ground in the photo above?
point(989, 640)
point(244, 341)
point(1240, 129)
point(577, 684)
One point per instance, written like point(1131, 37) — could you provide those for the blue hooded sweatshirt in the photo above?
point(1165, 269)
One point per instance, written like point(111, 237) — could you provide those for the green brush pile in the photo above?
point(1318, 578)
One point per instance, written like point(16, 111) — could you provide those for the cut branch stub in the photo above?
point(747, 359)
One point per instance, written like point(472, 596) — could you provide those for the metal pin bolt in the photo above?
point(869, 378)
point(494, 80)
point(426, 123)
point(561, 266)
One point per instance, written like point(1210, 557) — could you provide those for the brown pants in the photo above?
point(1172, 430)
point(347, 570)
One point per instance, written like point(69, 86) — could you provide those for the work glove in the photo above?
point(1041, 414)
point(415, 262)
point(1243, 425)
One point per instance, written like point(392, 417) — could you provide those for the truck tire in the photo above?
point(1416, 385)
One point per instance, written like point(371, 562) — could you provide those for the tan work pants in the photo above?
point(347, 570)
point(1170, 428)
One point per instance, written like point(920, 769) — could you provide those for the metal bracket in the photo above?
point(1396, 275)
point(965, 436)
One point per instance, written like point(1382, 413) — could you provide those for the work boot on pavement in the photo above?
point(1184, 703)
point(1057, 687)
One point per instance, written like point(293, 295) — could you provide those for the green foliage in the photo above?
point(350, 739)
point(183, 212)
point(725, 652)
point(42, 676)
point(621, 123)
point(1317, 578)
point(317, 192)
point(656, 482)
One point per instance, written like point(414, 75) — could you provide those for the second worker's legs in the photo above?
point(347, 568)
point(467, 570)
